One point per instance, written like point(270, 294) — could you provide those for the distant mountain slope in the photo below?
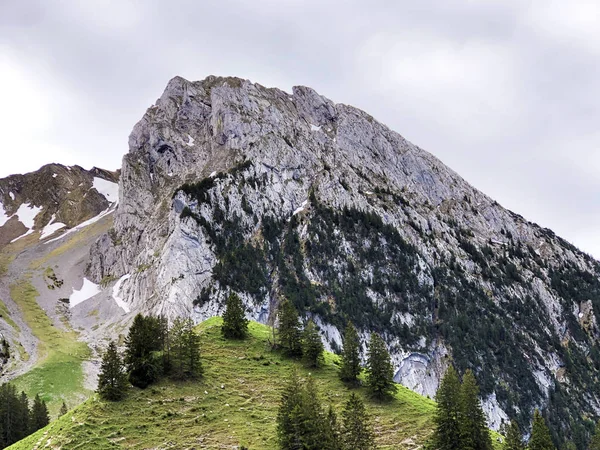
point(53, 198)
point(232, 186)
point(48, 221)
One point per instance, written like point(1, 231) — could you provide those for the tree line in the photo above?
point(18, 417)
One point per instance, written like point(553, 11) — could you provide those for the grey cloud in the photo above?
point(525, 94)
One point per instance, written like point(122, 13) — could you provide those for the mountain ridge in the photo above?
point(232, 186)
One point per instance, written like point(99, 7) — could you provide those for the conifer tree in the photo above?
point(350, 369)
point(10, 415)
point(235, 324)
point(514, 440)
point(63, 409)
point(112, 380)
point(447, 415)
point(333, 432)
point(23, 413)
point(380, 372)
point(540, 434)
point(357, 431)
point(314, 430)
point(474, 433)
point(143, 357)
point(289, 328)
point(312, 346)
point(39, 414)
point(289, 417)
point(595, 442)
point(185, 350)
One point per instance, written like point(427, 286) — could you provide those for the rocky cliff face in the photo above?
point(229, 185)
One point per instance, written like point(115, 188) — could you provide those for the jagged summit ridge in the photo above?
point(229, 185)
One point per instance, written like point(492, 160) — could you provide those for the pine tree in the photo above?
point(11, 430)
point(540, 434)
point(350, 369)
point(185, 350)
point(313, 426)
point(380, 372)
point(112, 380)
point(143, 353)
point(235, 324)
point(63, 409)
point(357, 432)
point(595, 442)
point(474, 433)
point(333, 432)
point(23, 413)
point(447, 415)
point(312, 346)
point(514, 440)
point(39, 414)
point(289, 417)
point(289, 328)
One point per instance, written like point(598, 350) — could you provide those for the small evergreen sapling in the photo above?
point(380, 372)
point(357, 430)
point(112, 380)
point(350, 368)
point(312, 346)
point(540, 434)
point(514, 440)
point(235, 324)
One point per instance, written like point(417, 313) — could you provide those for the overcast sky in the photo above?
point(505, 92)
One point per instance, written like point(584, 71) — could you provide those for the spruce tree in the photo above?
point(514, 440)
point(474, 433)
point(595, 442)
point(380, 372)
point(447, 414)
point(333, 431)
point(357, 431)
point(63, 409)
point(185, 350)
point(39, 414)
point(143, 352)
point(235, 324)
point(289, 329)
point(350, 369)
point(312, 346)
point(23, 413)
point(314, 429)
point(289, 415)
point(10, 415)
point(112, 380)
point(540, 434)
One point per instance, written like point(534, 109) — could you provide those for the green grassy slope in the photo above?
point(235, 403)
point(57, 376)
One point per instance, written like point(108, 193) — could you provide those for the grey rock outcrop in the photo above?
point(272, 176)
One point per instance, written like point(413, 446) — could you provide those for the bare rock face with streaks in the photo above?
point(230, 186)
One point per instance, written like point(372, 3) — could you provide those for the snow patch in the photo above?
point(213, 174)
point(301, 208)
point(27, 214)
point(108, 189)
point(314, 127)
point(190, 142)
point(116, 292)
point(51, 228)
point(87, 291)
point(83, 224)
point(55, 175)
point(12, 196)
